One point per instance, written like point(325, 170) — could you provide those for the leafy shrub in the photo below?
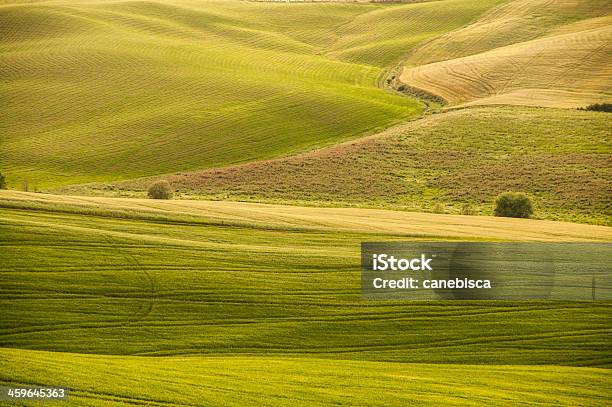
point(160, 190)
point(513, 205)
point(599, 107)
point(2, 181)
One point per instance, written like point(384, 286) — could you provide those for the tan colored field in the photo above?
point(534, 53)
point(569, 70)
point(295, 217)
point(513, 22)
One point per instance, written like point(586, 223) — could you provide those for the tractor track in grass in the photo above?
point(153, 287)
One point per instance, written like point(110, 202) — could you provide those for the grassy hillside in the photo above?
point(560, 157)
point(384, 36)
point(272, 117)
point(273, 381)
point(538, 53)
point(218, 302)
point(295, 218)
point(97, 91)
point(140, 278)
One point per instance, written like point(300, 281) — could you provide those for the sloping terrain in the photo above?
point(384, 36)
point(288, 217)
point(198, 302)
point(568, 70)
point(513, 22)
point(96, 91)
point(541, 53)
point(103, 276)
point(553, 53)
point(214, 302)
point(560, 157)
point(272, 381)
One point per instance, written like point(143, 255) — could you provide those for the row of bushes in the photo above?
point(508, 204)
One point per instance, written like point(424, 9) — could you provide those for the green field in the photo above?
point(131, 88)
point(291, 132)
point(535, 53)
point(258, 285)
point(273, 381)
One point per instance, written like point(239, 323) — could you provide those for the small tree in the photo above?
point(2, 181)
point(160, 190)
point(513, 205)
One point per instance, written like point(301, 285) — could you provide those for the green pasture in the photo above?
point(97, 380)
point(99, 284)
point(171, 305)
point(99, 91)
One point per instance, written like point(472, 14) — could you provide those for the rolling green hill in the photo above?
point(292, 132)
point(99, 91)
point(273, 381)
point(468, 156)
point(197, 302)
point(217, 278)
point(538, 53)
